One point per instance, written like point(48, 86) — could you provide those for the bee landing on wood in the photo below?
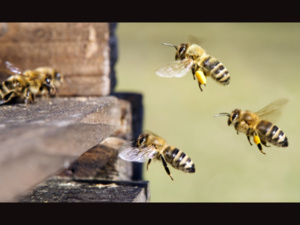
point(44, 80)
point(24, 86)
point(193, 57)
point(149, 146)
point(255, 125)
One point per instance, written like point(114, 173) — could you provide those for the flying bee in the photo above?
point(150, 146)
point(255, 124)
point(26, 85)
point(193, 57)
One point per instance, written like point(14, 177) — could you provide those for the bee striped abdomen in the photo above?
point(272, 133)
point(216, 70)
point(5, 90)
point(2, 91)
point(179, 160)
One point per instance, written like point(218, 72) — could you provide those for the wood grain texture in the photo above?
point(57, 189)
point(80, 51)
point(49, 135)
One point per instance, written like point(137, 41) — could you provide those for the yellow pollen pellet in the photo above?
point(200, 77)
point(256, 139)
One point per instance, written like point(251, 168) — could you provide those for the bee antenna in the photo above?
point(222, 114)
point(170, 45)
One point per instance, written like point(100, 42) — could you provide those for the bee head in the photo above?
point(47, 80)
point(233, 117)
point(142, 139)
point(180, 50)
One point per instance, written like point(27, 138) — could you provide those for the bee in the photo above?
point(44, 80)
point(28, 84)
point(255, 124)
point(15, 88)
point(150, 146)
point(193, 57)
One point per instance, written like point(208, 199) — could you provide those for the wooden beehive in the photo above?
point(76, 135)
point(80, 51)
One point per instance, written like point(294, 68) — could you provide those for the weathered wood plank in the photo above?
point(39, 140)
point(66, 190)
point(80, 51)
point(101, 162)
point(98, 175)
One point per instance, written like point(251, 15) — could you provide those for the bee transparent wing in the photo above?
point(272, 111)
point(12, 68)
point(134, 154)
point(177, 68)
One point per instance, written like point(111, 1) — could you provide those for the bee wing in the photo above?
point(273, 110)
point(137, 155)
point(12, 68)
point(7, 69)
point(178, 68)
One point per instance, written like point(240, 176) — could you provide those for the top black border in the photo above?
point(150, 11)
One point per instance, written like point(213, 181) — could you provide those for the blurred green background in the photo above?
point(263, 60)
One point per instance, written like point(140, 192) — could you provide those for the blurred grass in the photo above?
point(263, 60)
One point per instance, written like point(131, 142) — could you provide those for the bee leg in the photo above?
point(248, 136)
point(264, 143)
point(26, 102)
point(201, 77)
point(194, 76)
point(29, 97)
point(200, 86)
point(166, 167)
point(149, 161)
point(49, 91)
point(257, 140)
point(236, 125)
point(194, 68)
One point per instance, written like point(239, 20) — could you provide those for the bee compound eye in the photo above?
point(234, 116)
point(141, 140)
point(181, 49)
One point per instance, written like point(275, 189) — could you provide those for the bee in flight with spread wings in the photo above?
point(150, 146)
point(255, 124)
point(193, 57)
